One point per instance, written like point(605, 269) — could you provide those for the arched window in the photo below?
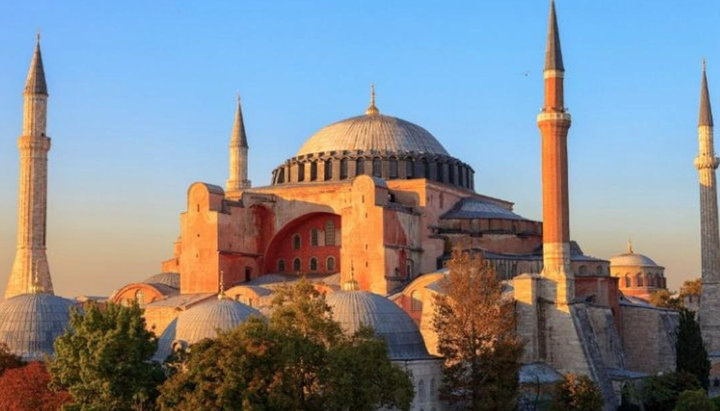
point(313, 171)
point(451, 173)
point(376, 167)
point(313, 264)
point(314, 237)
point(628, 281)
point(638, 280)
point(296, 241)
point(301, 172)
point(329, 233)
point(598, 270)
point(582, 270)
point(360, 166)
point(415, 301)
point(440, 174)
point(409, 168)
point(461, 176)
point(343, 169)
point(393, 168)
point(328, 170)
point(281, 266)
point(330, 264)
point(297, 265)
point(281, 176)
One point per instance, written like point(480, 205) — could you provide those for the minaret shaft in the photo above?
point(30, 272)
point(554, 123)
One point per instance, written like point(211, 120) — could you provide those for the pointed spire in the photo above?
point(553, 54)
point(706, 118)
point(372, 110)
point(238, 134)
point(351, 285)
point(35, 83)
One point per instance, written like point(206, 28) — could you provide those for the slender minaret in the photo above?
point(554, 122)
point(238, 177)
point(706, 163)
point(30, 272)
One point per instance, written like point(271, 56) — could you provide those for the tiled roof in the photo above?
point(470, 207)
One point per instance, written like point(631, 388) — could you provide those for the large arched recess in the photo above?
point(325, 251)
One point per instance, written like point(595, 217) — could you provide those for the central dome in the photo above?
point(373, 132)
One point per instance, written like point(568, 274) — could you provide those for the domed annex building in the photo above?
point(639, 275)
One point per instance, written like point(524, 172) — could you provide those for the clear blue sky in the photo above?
point(142, 100)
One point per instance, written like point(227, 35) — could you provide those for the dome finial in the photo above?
point(629, 246)
point(372, 110)
point(351, 285)
point(221, 294)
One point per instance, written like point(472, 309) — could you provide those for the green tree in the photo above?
point(476, 336)
point(8, 360)
point(577, 393)
point(694, 400)
point(691, 287)
point(691, 354)
point(299, 359)
point(660, 393)
point(665, 299)
point(103, 361)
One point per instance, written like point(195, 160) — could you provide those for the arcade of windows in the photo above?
point(313, 264)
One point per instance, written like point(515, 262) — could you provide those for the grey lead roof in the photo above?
point(168, 278)
point(35, 83)
point(29, 323)
point(553, 53)
point(706, 118)
point(469, 208)
point(352, 309)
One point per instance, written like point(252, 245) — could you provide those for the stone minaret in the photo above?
point(30, 272)
point(706, 163)
point(238, 177)
point(554, 122)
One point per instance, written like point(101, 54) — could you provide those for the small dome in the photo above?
point(352, 309)
point(373, 132)
point(30, 323)
point(170, 279)
point(632, 259)
point(203, 321)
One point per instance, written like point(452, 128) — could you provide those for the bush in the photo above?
point(577, 393)
point(694, 400)
point(661, 392)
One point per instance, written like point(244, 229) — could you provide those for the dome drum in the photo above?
point(345, 165)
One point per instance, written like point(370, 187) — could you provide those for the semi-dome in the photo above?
point(373, 133)
point(167, 278)
point(203, 321)
point(30, 323)
point(353, 309)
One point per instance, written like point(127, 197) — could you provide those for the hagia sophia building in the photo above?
point(369, 209)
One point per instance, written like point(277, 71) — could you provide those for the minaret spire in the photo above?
point(706, 163)
point(554, 123)
point(30, 272)
point(238, 175)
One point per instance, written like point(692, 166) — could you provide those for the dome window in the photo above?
point(301, 172)
point(313, 171)
point(343, 169)
point(376, 167)
point(360, 166)
point(328, 170)
point(409, 168)
point(393, 168)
